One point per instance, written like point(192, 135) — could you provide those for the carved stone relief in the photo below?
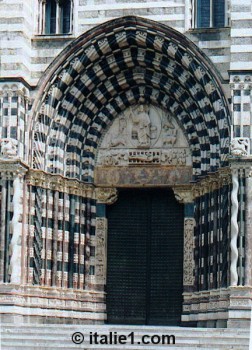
point(106, 195)
point(141, 176)
point(100, 252)
point(189, 224)
point(183, 194)
point(139, 157)
point(8, 148)
point(144, 134)
point(240, 147)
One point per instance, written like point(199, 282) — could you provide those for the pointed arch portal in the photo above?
point(113, 66)
point(131, 103)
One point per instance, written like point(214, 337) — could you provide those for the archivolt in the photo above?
point(118, 64)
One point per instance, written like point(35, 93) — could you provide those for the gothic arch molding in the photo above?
point(113, 66)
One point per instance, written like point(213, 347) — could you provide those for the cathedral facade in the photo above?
point(125, 163)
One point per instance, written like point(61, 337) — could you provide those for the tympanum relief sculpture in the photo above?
point(144, 134)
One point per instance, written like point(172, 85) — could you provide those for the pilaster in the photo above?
point(184, 194)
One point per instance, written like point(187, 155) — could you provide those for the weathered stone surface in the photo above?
point(142, 176)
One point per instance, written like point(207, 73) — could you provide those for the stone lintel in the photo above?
point(142, 176)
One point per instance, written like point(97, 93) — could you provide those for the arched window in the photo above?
point(210, 13)
point(55, 16)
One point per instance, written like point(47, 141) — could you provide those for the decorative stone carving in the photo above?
point(144, 134)
point(240, 147)
point(8, 148)
point(123, 157)
point(106, 195)
point(141, 126)
point(100, 255)
point(139, 176)
point(58, 183)
point(189, 224)
point(183, 194)
point(169, 136)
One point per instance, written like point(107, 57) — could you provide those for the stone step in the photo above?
point(122, 329)
point(55, 345)
point(41, 346)
point(67, 333)
point(49, 337)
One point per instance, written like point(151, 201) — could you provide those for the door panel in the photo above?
point(166, 259)
point(145, 247)
point(126, 302)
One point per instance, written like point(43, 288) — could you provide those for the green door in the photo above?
point(145, 258)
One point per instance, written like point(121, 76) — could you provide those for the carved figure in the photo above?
point(169, 133)
point(120, 139)
point(8, 148)
point(239, 147)
point(144, 157)
point(141, 126)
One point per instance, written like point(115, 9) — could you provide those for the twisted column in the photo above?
point(234, 229)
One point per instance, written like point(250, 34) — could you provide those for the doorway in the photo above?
point(145, 258)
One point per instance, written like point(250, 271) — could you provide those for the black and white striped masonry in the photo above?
point(124, 62)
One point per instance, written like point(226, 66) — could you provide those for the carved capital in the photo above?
point(225, 176)
point(248, 171)
point(58, 183)
point(11, 169)
point(106, 195)
point(183, 194)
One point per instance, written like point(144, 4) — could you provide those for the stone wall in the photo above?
point(26, 54)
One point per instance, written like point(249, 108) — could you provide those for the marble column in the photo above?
point(234, 228)
point(248, 228)
point(16, 225)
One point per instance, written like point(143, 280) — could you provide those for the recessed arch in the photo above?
point(124, 62)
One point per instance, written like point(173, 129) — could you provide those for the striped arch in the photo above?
point(113, 66)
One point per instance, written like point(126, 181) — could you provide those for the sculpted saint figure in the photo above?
point(141, 126)
point(121, 138)
point(169, 133)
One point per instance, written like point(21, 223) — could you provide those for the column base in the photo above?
point(239, 313)
point(51, 305)
point(220, 308)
